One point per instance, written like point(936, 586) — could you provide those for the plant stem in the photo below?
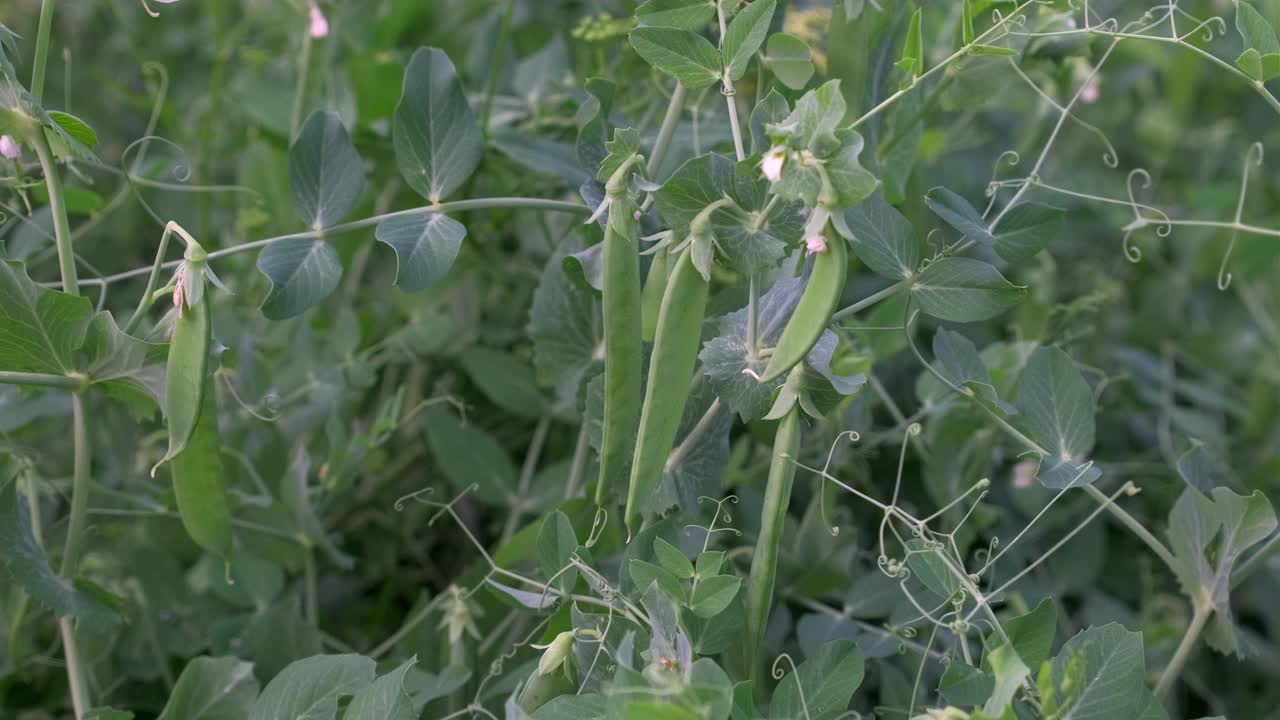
point(147, 299)
point(670, 122)
point(870, 300)
point(1198, 619)
point(58, 208)
point(39, 379)
point(71, 552)
point(344, 228)
point(42, 50)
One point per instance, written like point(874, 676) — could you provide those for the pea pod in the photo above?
point(651, 297)
point(198, 481)
point(764, 562)
point(188, 366)
point(821, 294)
point(623, 349)
point(675, 352)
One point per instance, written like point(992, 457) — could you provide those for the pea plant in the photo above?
point(725, 360)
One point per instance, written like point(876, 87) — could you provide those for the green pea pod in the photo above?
point(198, 482)
point(675, 352)
point(826, 285)
point(764, 561)
point(623, 349)
point(651, 297)
point(185, 374)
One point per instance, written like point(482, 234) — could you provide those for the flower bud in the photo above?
point(771, 166)
point(319, 25)
point(816, 243)
point(9, 148)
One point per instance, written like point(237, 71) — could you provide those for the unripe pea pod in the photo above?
point(623, 348)
point(821, 295)
point(675, 352)
point(198, 482)
point(773, 514)
point(651, 296)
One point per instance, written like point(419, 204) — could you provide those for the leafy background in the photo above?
point(355, 372)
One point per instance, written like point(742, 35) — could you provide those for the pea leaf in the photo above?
point(1258, 66)
point(1055, 409)
point(75, 127)
point(1032, 634)
point(592, 119)
point(386, 698)
point(26, 562)
point(962, 289)
point(683, 14)
point(303, 272)
point(822, 685)
point(959, 214)
point(326, 174)
point(673, 559)
point(504, 379)
point(1009, 671)
point(771, 109)
point(310, 688)
point(1098, 675)
point(682, 54)
point(912, 61)
point(1257, 32)
point(959, 362)
point(1208, 534)
point(745, 34)
point(40, 329)
point(470, 455)
point(437, 139)
point(1026, 230)
point(790, 59)
point(713, 594)
point(882, 238)
point(556, 543)
point(562, 325)
point(212, 688)
point(928, 566)
point(426, 246)
point(965, 685)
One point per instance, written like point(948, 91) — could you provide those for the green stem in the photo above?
point(42, 50)
point(344, 228)
point(71, 552)
point(148, 297)
point(39, 379)
point(764, 563)
point(1198, 619)
point(670, 121)
point(58, 208)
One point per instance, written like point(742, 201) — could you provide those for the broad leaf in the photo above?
point(683, 14)
point(212, 688)
point(790, 59)
point(822, 685)
point(303, 272)
point(1026, 230)
point(1032, 634)
point(931, 568)
point(1098, 675)
point(437, 140)
point(40, 329)
point(309, 689)
point(965, 685)
point(883, 239)
point(1055, 407)
point(426, 245)
point(673, 559)
point(1009, 671)
point(505, 379)
point(468, 456)
point(386, 698)
point(682, 54)
point(713, 594)
point(26, 562)
point(326, 174)
point(745, 35)
point(556, 543)
point(962, 289)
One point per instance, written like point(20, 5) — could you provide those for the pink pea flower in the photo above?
point(319, 25)
point(9, 148)
point(1089, 94)
point(179, 283)
point(771, 166)
point(815, 243)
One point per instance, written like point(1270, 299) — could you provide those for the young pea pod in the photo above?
point(821, 294)
point(198, 482)
point(655, 286)
point(675, 352)
point(188, 364)
point(764, 562)
point(623, 349)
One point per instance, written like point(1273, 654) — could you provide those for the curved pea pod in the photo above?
point(623, 349)
point(184, 377)
point(198, 482)
point(655, 285)
point(826, 285)
point(773, 514)
point(675, 352)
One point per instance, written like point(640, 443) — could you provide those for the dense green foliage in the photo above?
point(617, 360)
